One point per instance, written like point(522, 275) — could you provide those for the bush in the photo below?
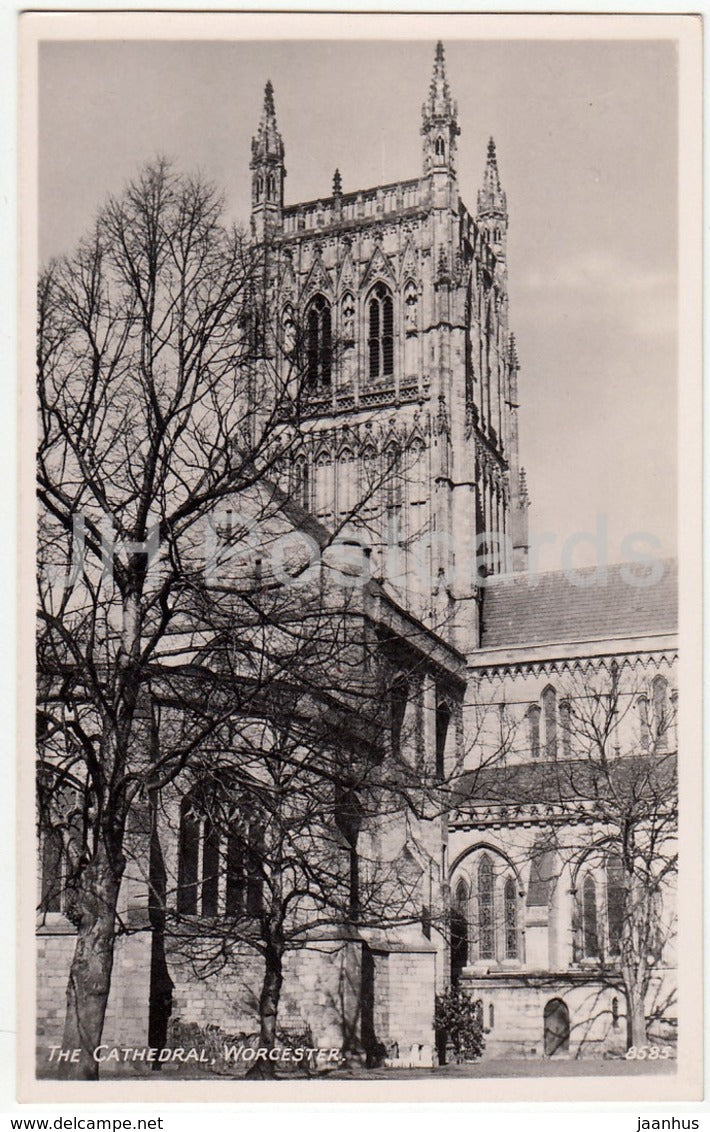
point(458, 1021)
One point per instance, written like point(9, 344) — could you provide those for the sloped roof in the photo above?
point(521, 609)
point(568, 780)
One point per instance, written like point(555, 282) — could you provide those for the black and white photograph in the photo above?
point(364, 432)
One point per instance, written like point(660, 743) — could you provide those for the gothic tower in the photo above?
point(399, 295)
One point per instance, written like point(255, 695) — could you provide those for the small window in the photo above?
point(615, 1013)
point(439, 147)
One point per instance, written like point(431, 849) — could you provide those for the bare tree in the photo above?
point(603, 796)
point(150, 358)
point(169, 399)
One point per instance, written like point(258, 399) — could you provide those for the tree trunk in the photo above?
point(161, 985)
point(268, 1010)
point(94, 899)
point(635, 1018)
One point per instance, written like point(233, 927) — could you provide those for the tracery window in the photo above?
point(219, 858)
point(319, 353)
point(486, 909)
point(380, 333)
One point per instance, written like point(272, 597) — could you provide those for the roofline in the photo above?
point(574, 649)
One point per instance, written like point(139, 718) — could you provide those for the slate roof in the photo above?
point(522, 609)
point(567, 780)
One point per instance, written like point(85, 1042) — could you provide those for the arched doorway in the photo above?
point(556, 1028)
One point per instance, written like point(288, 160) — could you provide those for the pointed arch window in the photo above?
point(549, 712)
point(439, 147)
point(510, 909)
point(205, 846)
point(459, 930)
point(443, 719)
point(534, 730)
point(324, 488)
point(272, 187)
point(615, 901)
point(644, 725)
point(566, 728)
point(380, 314)
point(486, 920)
point(301, 482)
point(661, 715)
point(590, 931)
point(318, 342)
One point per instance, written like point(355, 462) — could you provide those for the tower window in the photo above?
point(380, 339)
point(319, 342)
point(439, 147)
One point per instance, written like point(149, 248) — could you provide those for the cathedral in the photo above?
point(540, 701)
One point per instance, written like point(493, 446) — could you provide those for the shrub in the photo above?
point(458, 1021)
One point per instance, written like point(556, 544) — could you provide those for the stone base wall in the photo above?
point(324, 998)
point(514, 1017)
point(127, 1009)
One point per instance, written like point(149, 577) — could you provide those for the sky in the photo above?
point(586, 134)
